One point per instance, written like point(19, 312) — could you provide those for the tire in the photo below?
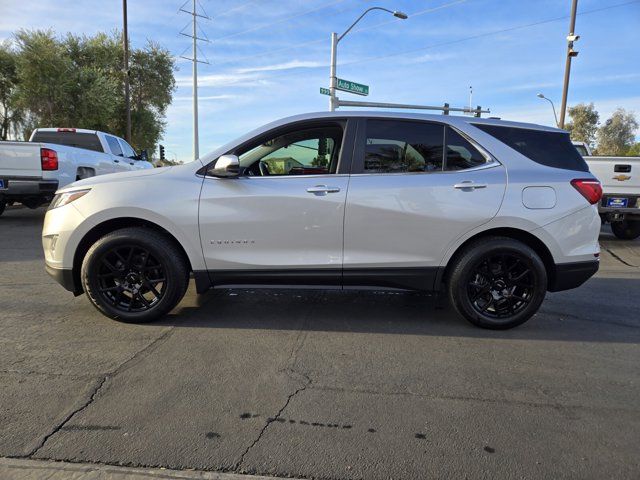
point(121, 275)
point(32, 202)
point(626, 229)
point(497, 283)
point(3, 205)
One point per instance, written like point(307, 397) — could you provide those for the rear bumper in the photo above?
point(64, 277)
point(18, 187)
point(572, 275)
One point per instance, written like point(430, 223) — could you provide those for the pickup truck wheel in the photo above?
point(3, 205)
point(134, 275)
point(497, 283)
point(626, 229)
point(31, 202)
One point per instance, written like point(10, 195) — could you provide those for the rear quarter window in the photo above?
point(553, 149)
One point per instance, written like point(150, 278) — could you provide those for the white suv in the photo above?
point(495, 213)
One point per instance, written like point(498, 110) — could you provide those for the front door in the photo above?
point(282, 220)
point(416, 188)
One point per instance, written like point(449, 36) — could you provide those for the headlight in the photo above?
point(62, 199)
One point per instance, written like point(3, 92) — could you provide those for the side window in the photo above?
point(114, 145)
point(460, 153)
point(400, 146)
point(312, 151)
point(128, 150)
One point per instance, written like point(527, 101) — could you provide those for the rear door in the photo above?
point(416, 187)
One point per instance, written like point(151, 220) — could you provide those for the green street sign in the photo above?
point(352, 87)
point(325, 91)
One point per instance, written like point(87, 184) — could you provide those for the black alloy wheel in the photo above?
point(135, 274)
point(131, 278)
point(497, 282)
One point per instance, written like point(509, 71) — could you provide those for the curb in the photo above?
point(26, 469)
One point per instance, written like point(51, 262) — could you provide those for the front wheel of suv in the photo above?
point(134, 275)
point(497, 283)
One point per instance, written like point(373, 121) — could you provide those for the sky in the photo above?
point(268, 58)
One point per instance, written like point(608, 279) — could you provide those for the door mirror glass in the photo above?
point(227, 166)
point(143, 155)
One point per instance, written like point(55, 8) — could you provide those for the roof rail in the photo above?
point(444, 109)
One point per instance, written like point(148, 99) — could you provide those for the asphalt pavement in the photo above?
point(321, 384)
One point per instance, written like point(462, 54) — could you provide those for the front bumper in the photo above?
point(65, 277)
point(19, 187)
point(572, 275)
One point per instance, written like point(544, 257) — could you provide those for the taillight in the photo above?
point(589, 189)
point(66, 130)
point(49, 159)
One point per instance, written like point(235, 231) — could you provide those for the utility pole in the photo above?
point(127, 98)
point(572, 37)
point(194, 59)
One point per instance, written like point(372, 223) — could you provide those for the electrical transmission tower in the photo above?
point(194, 58)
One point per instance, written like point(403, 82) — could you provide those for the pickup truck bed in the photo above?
point(620, 204)
point(31, 172)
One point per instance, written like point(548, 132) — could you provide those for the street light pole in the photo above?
point(333, 79)
point(540, 95)
point(572, 37)
point(127, 98)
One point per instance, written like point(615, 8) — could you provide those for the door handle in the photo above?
point(469, 185)
point(322, 190)
point(117, 161)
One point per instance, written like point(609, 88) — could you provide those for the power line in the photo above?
point(487, 34)
point(464, 39)
point(319, 40)
point(260, 27)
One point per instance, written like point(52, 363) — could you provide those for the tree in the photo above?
point(634, 151)
point(78, 81)
point(11, 116)
point(617, 134)
point(584, 123)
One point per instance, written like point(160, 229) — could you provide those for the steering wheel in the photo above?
point(264, 168)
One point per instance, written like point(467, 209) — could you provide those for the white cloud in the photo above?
point(223, 80)
point(282, 66)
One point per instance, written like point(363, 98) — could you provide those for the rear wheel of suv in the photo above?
point(134, 275)
point(626, 230)
point(497, 283)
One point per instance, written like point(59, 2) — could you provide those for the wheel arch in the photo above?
point(523, 236)
point(108, 226)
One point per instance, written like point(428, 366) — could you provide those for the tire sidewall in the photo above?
point(467, 264)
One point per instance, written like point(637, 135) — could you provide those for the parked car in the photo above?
point(495, 213)
point(31, 172)
point(620, 179)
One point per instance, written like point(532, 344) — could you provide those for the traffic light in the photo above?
point(162, 152)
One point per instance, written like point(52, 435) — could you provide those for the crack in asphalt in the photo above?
point(58, 427)
point(123, 366)
point(269, 421)
point(290, 371)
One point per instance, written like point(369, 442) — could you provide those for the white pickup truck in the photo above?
point(31, 172)
point(620, 179)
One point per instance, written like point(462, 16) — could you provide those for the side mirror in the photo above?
point(227, 166)
point(143, 155)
